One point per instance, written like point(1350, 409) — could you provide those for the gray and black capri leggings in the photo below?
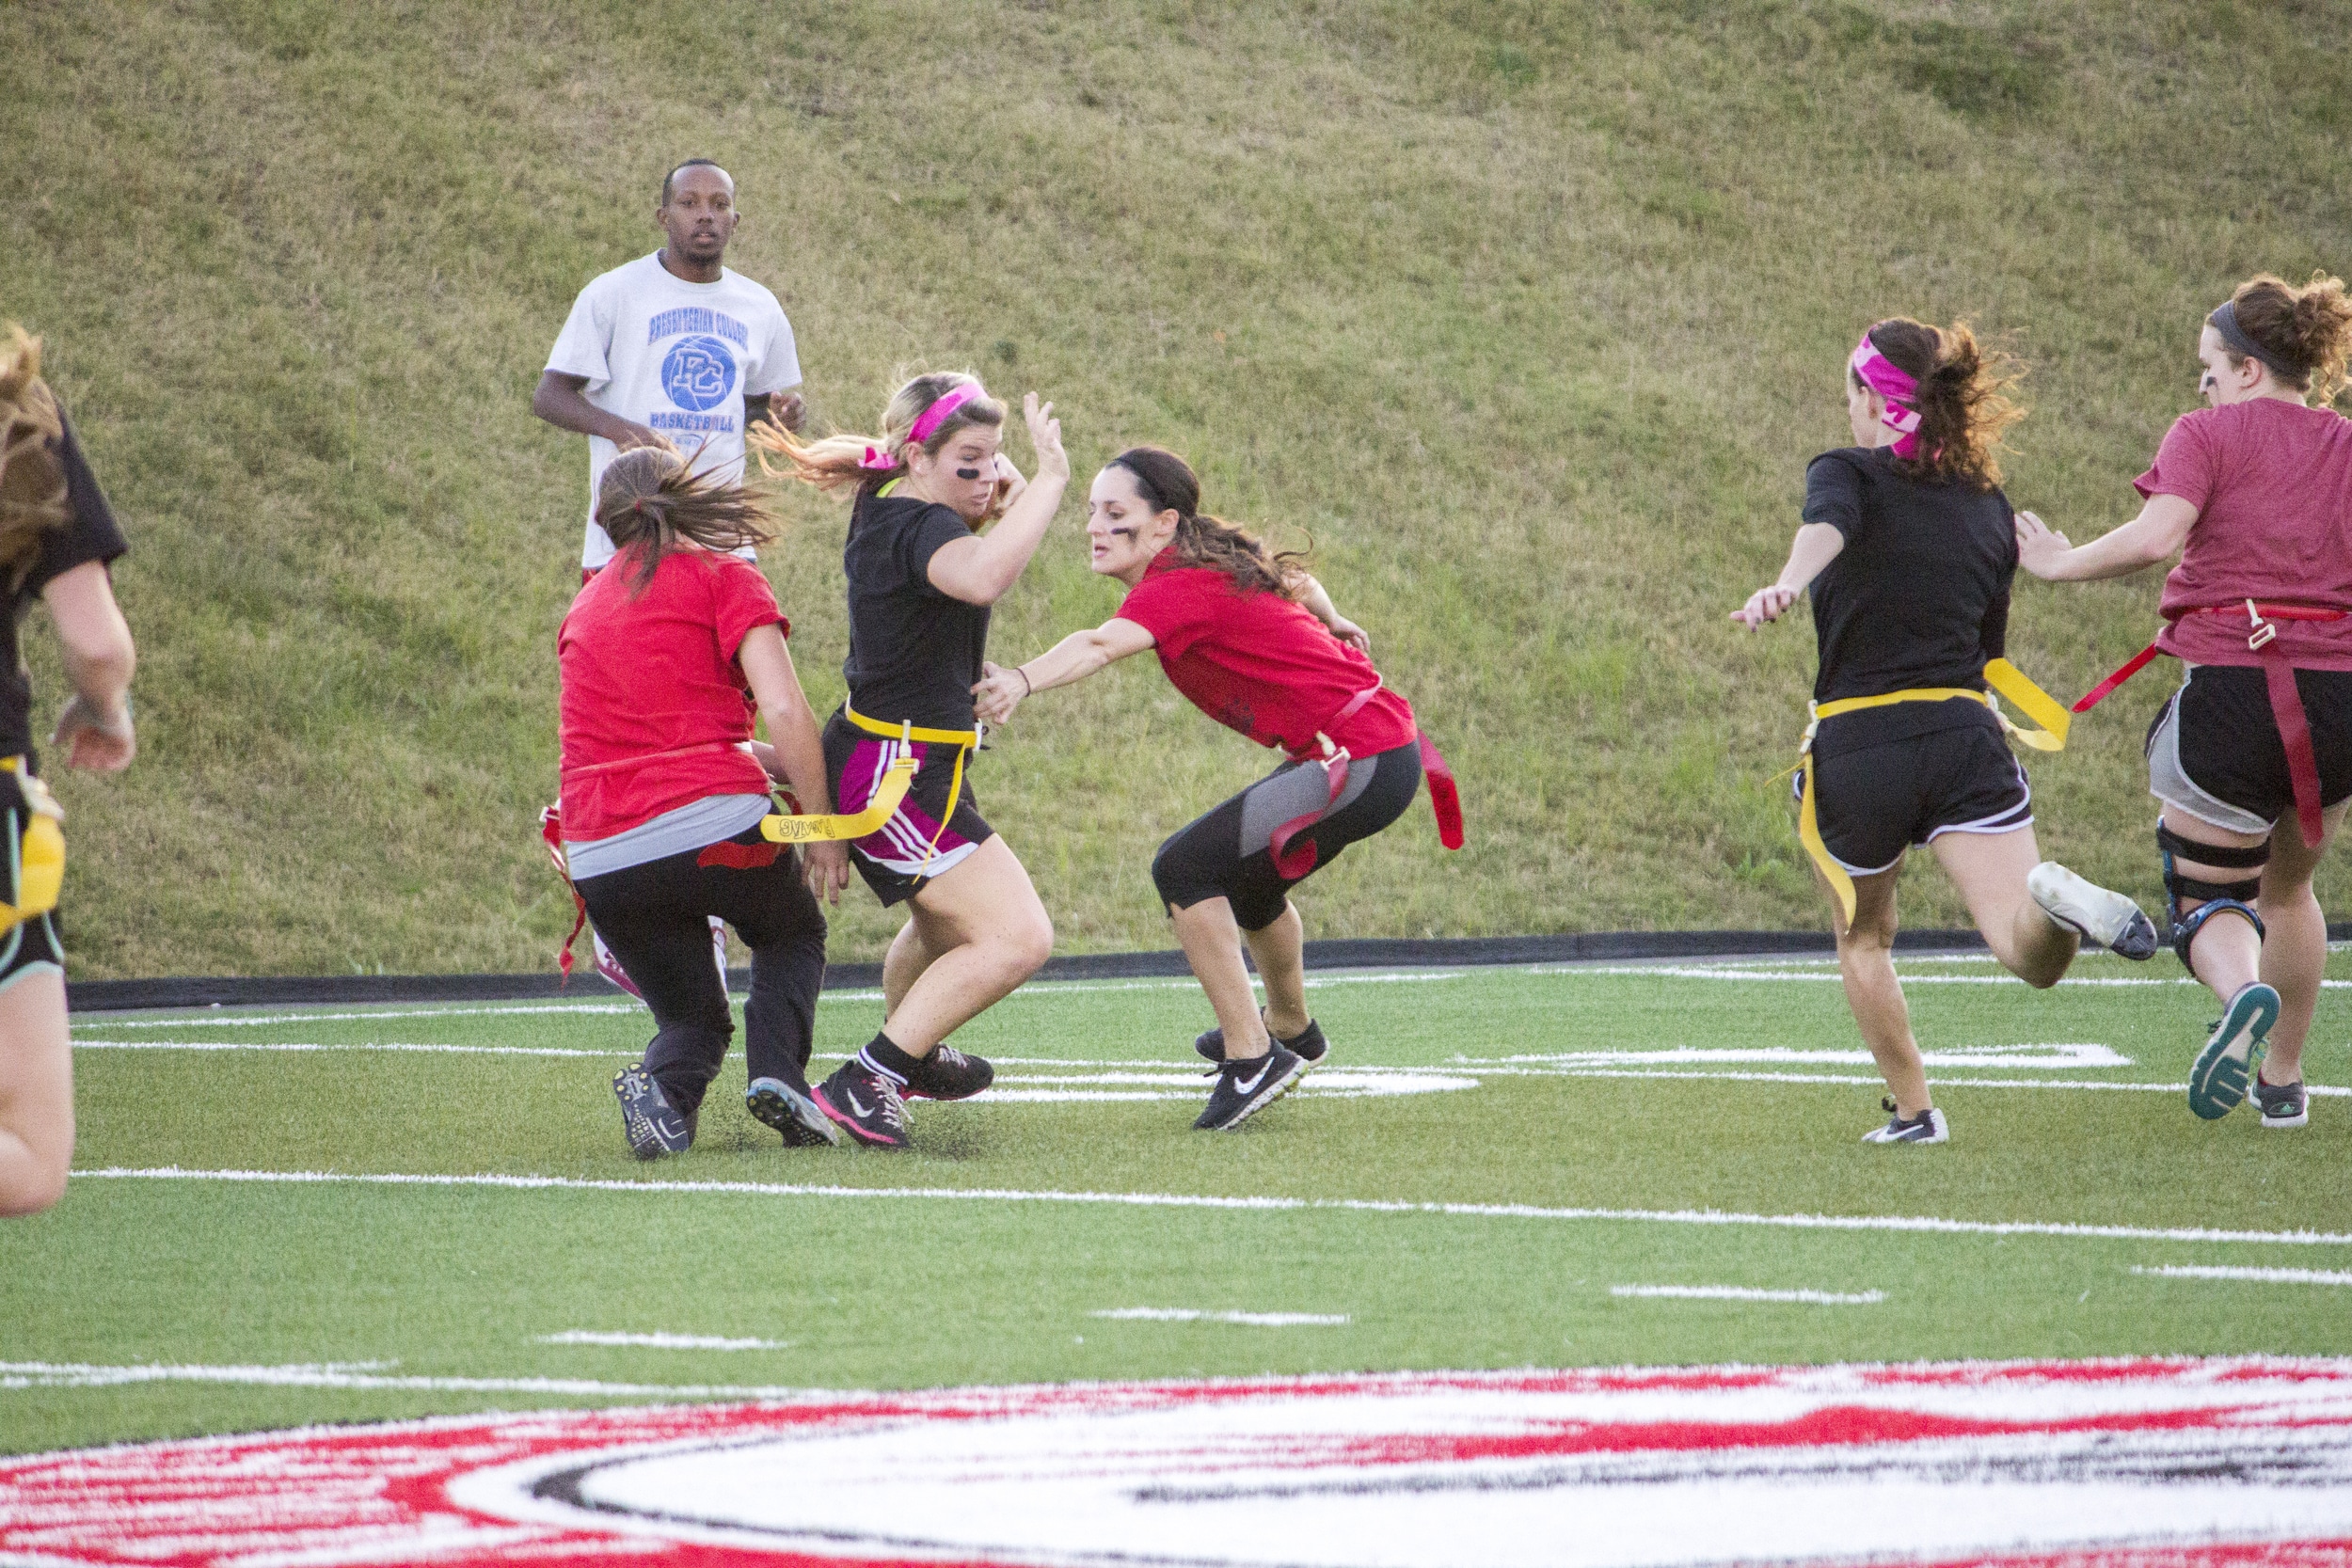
point(1227, 853)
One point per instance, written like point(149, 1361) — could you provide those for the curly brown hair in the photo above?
point(837, 462)
point(1963, 403)
point(32, 480)
point(2309, 328)
point(650, 497)
point(1167, 483)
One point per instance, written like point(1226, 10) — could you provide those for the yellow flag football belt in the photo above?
point(40, 850)
point(2001, 675)
point(896, 780)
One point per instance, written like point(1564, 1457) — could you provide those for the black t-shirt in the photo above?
point(1918, 596)
point(91, 533)
point(914, 652)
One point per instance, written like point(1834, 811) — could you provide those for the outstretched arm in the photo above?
point(95, 728)
point(1816, 545)
point(2155, 536)
point(800, 756)
point(1318, 603)
point(978, 570)
point(1072, 658)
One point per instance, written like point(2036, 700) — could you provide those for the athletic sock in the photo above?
point(884, 1060)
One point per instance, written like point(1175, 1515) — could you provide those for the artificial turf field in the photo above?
point(1489, 1164)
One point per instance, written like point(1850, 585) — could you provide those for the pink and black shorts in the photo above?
point(914, 846)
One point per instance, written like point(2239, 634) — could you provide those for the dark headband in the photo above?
point(2224, 321)
point(1144, 486)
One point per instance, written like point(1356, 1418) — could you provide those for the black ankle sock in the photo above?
point(887, 1059)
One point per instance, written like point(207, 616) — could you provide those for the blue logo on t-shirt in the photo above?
point(698, 372)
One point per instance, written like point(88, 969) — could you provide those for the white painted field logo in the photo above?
point(2124, 1464)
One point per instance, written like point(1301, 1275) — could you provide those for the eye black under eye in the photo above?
point(967, 473)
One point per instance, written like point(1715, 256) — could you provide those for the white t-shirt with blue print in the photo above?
point(678, 356)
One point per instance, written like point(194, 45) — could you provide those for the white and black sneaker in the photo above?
point(865, 1104)
point(791, 1110)
point(2283, 1105)
point(2234, 1051)
point(2105, 917)
point(1926, 1128)
point(1307, 1045)
point(652, 1125)
point(1246, 1087)
point(947, 1074)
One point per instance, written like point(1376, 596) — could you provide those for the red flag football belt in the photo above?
point(1445, 796)
point(2286, 702)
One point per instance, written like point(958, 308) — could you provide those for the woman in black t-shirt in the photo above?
point(921, 578)
point(56, 536)
point(1908, 546)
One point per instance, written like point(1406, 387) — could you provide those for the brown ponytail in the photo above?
point(32, 480)
point(2304, 334)
point(647, 496)
point(842, 460)
point(1167, 483)
point(1965, 408)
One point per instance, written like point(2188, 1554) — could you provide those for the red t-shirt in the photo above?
point(2272, 484)
point(653, 674)
point(1261, 664)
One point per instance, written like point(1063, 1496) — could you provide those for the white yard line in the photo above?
point(1921, 1223)
point(50, 1374)
point(2267, 1276)
point(1255, 1320)
point(352, 1045)
point(660, 1341)
point(1741, 1292)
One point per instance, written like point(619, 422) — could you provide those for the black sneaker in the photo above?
point(2283, 1105)
point(1246, 1087)
point(947, 1074)
point(1307, 1045)
point(653, 1127)
point(1926, 1128)
point(866, 1103)
point(790, 1112)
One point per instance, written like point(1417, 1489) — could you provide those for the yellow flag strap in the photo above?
point(2000, 674)
point(40, 850)
point(808, 830)
point(910, 732)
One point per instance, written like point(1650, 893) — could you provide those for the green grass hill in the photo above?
point(1529, 315)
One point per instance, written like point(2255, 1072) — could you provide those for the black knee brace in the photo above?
point(2213, 897)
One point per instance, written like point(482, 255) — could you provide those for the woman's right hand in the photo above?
point(999, 692)
point(826, 865)
point(92, 740)
point(1045, 435)
point(1765, 606)
point(2040, 546)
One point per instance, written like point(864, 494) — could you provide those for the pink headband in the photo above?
point(1899, 387)
point(925, 423)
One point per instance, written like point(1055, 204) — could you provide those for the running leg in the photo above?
point(1989, 870)
point(989, 932)
point(1866, 961)
point(2226, 954)
point(1212, 945)
point(903, 964)
point(1280, 952)
point(36, 1094)
point(2296, 952)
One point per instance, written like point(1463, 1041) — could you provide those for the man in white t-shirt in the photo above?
point(673, 346)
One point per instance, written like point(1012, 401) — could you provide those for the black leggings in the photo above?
point(1228, 853)
point(655, 917)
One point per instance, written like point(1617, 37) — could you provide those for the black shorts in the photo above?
point(1228, 853)
point(1874, 803)
point(914, 845)
point(2214, 748)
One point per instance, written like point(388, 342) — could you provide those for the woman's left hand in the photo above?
point(999, 692)
point(95, 741)
point(2040, 546)
point(1350, 633)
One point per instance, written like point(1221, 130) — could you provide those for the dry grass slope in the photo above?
point(1529, 314)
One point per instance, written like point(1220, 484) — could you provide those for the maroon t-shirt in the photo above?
point(654, 706)
point(1262, 664)
point(2272, 484)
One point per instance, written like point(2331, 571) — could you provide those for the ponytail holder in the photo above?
point(1899, 387)
point(638, 506)
point(936, 415)
point(878, 460)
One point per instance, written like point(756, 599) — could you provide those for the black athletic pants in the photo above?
point(654, 918)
